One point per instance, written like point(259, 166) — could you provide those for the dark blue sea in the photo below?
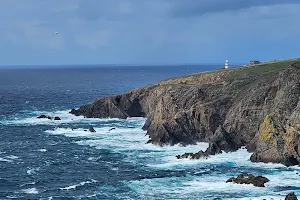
point(46, 159)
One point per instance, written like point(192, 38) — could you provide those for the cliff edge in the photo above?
point(256, 106)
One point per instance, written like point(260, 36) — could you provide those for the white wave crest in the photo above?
point(66, 118)
point(73, 187)
point(30, 191)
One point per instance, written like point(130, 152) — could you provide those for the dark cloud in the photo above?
point(191, 8)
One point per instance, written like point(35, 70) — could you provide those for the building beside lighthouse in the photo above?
point(226, 64)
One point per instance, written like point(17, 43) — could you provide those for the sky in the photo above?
point(147, 32)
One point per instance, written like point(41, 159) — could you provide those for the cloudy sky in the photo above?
point(147, 31)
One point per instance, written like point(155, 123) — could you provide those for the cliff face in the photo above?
point(255, 106)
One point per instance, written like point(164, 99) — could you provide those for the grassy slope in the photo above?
point(231, 74)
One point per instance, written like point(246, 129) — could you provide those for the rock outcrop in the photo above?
point(291, 196)
point(44, 117)
point(256, 106)
point(200, 154)
point(57, 118)
point(258, 181)
point(92, 130)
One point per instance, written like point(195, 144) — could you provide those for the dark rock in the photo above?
point(258, 181)
point(200, 154)
point(85, 130)
point(44, 117)
point(57, 118)
point(111, 129)
point(221, 141)
point(92, 130)
point(291, 196)
point(73, 111)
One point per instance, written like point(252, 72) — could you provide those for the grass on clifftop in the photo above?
point(267, 67)
point(232, 73)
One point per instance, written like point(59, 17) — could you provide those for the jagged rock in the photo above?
point(44, 117)
point(225, 108)
point(221, 141)
point(277, 142)
point(57, 118)
point(291, 196)
point(200, 154)
point(73, 111)
point(92, 130)
point(258, 181)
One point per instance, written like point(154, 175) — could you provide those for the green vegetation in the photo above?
point(231, 74)
point(260, 69)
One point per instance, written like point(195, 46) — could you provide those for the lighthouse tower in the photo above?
point(226, 64)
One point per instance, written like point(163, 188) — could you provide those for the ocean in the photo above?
point(44, 159)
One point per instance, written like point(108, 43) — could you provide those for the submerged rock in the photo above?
point(57, 118)
point(291, 196)
point(111, 129)
point(258, 181)
point(44, 117)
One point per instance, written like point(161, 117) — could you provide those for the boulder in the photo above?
point(244, 178)
point(291, 196)
point(44, 117)
point(92, 130)
point(57, 118)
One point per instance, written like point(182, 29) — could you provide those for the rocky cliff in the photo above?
point(256, 106)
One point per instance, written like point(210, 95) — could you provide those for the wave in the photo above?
point(30, 191)
point(32, 171)
point(203, 178)
point(29, 118)
point(9, 159)
point(73, 187)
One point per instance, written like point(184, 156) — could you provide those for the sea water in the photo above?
point(44, 159)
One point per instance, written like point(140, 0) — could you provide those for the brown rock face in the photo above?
point(226, 108)
point(258, 181)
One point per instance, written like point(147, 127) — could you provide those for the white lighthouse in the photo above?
point(226, 64)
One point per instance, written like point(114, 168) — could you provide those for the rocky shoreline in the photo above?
point(257, 107)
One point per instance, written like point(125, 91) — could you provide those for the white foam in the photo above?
point(5, 160)
point(12, 157)
point(9, 159)
point(42, 150)
point(65, 117)
point(72, 187)
point(132, 142)
point(30, 191)
point(31, 171)
point(198, 187)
